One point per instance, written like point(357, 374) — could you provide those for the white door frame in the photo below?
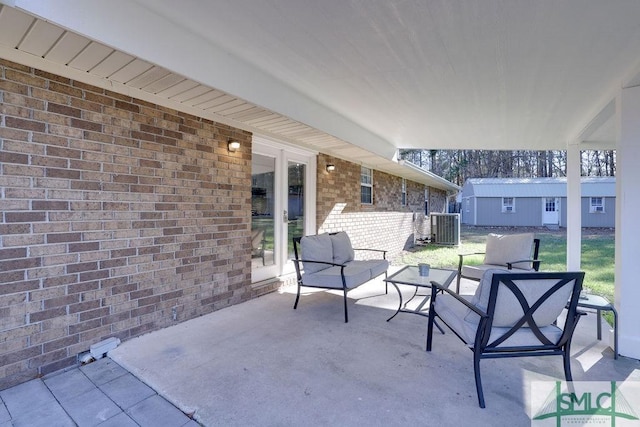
point(547, 217)
point(283, 154)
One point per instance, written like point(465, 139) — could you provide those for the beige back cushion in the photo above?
point(508, 310)
point(316, 248)
point(342, 250)
point(502, 249)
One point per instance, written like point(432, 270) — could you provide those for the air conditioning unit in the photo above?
point(445, 229)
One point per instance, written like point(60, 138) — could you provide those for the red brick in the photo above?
point(18, 158)
point(86, 125)
point(50, 205)
point(63, 152)
point(81, 267)
point(60, 343)
point(62, 173)
point(58, 364)
point(84, 247)
point(84, 326)
point(65, 89)
point(64, 237)
point(47, 314)
point(25, 216)
point(93, 314)
point(18, 123)
point(61, 301)
point(18, 285)
point(50, 76)
point(127, 106)
point(17, 356)
point(19, 264)
point(84, 306)
point(13, 253)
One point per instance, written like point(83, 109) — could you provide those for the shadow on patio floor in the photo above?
point(262, 363)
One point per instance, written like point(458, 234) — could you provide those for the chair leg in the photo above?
point(476, 372)
point(295, 304)
point(386, 284)
point(346, 316)
point(458, 284)
point(430, 328)
point(566, 358)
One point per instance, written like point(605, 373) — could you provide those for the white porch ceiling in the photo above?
point(356, 78)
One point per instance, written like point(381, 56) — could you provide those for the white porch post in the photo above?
point(574, 216)
point(627, 291)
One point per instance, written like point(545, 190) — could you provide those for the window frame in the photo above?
point(511, 205)
point(366, 172)
point(593, 208)
point(404, 198)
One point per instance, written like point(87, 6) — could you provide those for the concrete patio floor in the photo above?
point(262, 363)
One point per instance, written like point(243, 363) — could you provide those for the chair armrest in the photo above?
point(436, 287)
point(384, 252)
point(461, 259)
point(333, 264)
point(535, 262)
point(471, 253)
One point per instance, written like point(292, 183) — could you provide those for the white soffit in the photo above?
point(435, 74)
point(37, 43)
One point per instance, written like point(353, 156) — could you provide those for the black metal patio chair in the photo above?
point(511, 315)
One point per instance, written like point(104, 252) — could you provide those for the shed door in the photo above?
point(550, 210)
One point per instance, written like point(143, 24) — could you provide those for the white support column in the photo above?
point(627, 291)
point(574, 215)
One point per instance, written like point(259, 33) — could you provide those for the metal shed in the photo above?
point(535, 202)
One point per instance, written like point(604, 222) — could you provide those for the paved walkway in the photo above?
point(101, 393)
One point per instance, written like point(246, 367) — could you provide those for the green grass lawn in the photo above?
point(597, 254)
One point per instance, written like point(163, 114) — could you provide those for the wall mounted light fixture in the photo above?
point(331, 167)
point(233, 145)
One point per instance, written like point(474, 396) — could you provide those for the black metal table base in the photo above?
point(419, 310)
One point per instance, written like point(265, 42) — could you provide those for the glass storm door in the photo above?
point(294, 215)
point(263, 216)
point(280, 206)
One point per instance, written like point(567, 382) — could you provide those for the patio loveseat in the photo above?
point(328, 261)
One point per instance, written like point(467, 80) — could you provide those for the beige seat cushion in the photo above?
point(502, 249)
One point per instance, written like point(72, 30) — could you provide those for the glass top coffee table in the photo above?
point(409, 275)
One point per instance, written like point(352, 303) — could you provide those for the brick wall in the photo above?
point(385, 224)
point(114, 214)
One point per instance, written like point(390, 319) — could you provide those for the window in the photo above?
point(366, 186)
point(597, 205)
point(404, 192)
point(426, 202)
point(508, 204)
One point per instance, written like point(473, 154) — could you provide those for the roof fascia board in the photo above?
point(430, 176)
point(142, 32)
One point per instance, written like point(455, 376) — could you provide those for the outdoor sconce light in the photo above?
point(331, 167)
point(233, 146)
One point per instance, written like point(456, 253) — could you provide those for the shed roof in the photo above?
point(537, 187)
